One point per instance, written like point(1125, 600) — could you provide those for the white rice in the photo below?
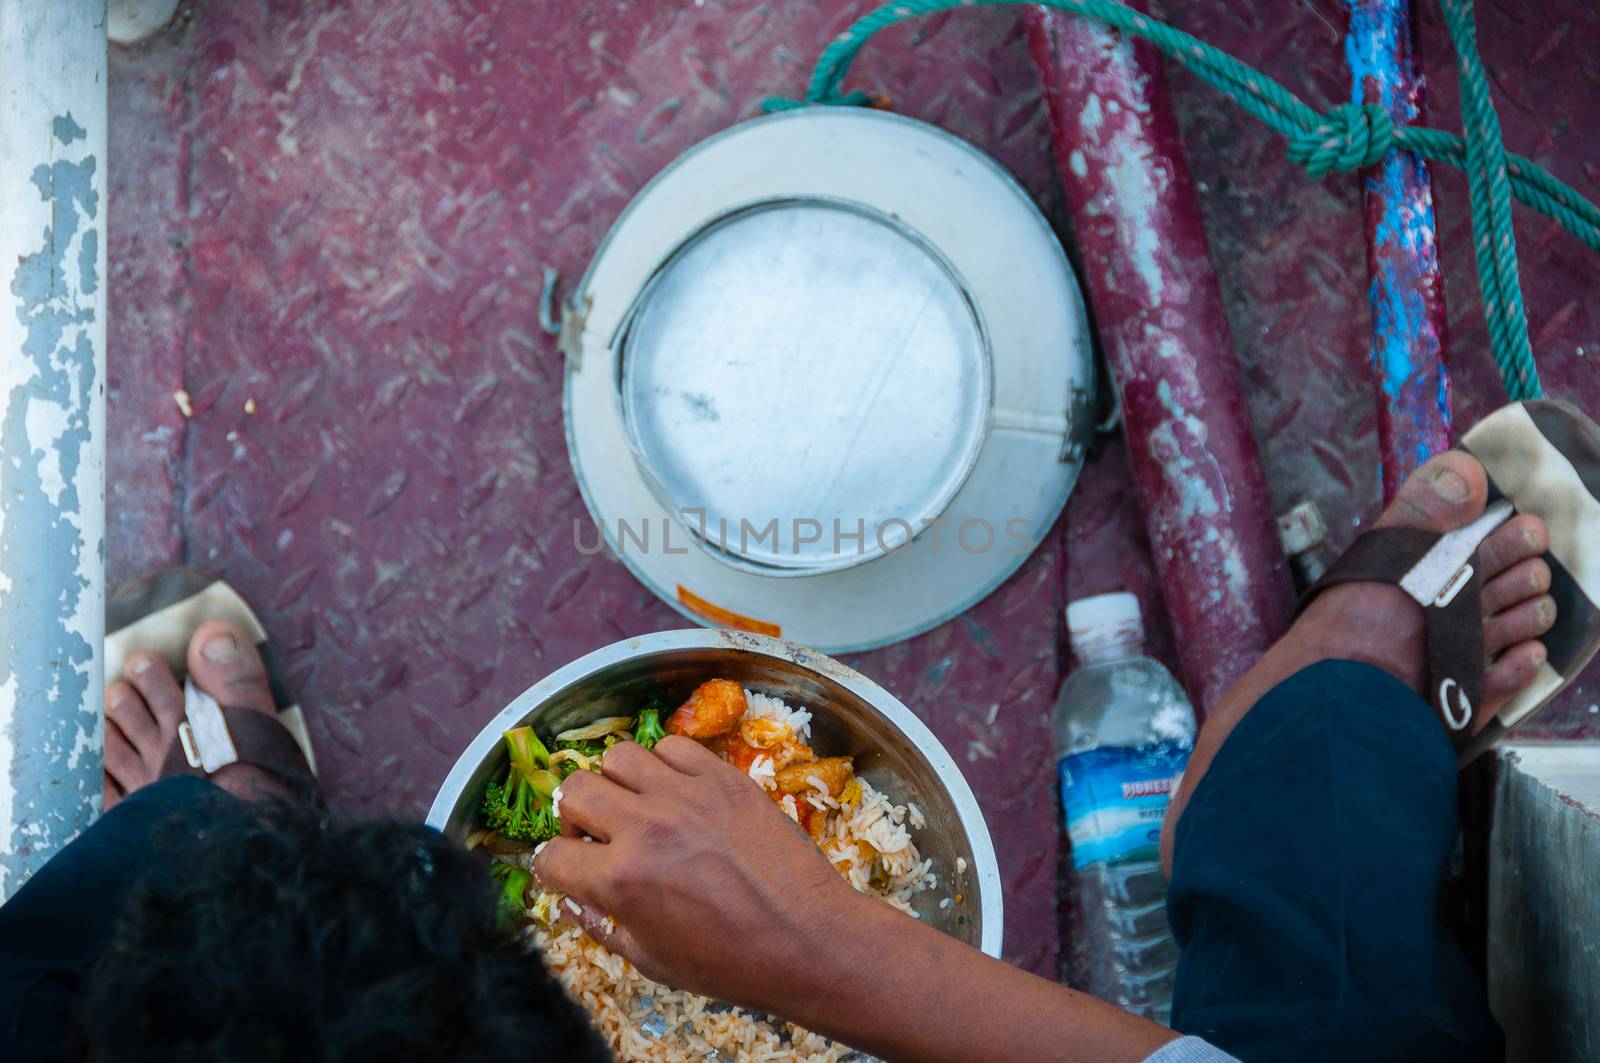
point(763, 706)
point(764, 772)
point(868, 843)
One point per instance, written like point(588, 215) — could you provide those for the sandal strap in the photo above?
point(1379, 555)
point(213, 736)
point(1453, 626)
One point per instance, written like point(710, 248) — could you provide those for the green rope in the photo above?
point(1343, 139)
point(1494, 242)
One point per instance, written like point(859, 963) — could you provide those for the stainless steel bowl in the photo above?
point(850, 714)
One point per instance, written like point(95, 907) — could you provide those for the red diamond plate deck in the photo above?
point(328, 225)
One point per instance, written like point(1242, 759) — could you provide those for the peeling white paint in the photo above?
point(8, 753)
point(47, 422)
point(1138, 185)
point(52, 417)
point(1197, 498)
point(87, 740)
point(1090, 118)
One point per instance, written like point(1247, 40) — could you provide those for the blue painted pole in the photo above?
point(52, 425)
point(1405, 287)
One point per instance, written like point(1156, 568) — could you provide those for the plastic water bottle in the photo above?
point(1123, 730)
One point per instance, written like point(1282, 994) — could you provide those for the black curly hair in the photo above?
point(281, 934)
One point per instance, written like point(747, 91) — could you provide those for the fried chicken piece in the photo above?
point(712, 710)
point(733, 749)
point(814, 821)
point(763, 731)
point(773, 740)
point(832, 772)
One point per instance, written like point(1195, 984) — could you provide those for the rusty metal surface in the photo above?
point(1191, 446)
point(1294, 279)
point(1405, 289)
point(147, 291)
point(373, 190)
point(341, 212)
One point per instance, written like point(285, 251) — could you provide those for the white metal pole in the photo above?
point(52, 424)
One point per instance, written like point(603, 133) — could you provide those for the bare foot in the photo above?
point(1379, 623)
point(145, 707)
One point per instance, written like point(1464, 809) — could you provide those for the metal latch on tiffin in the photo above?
point(1438, 577)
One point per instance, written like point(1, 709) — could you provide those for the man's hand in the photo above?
point(712, 888)
point(716, 891)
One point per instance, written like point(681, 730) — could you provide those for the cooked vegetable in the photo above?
point(850, 796)
point(527, 752)
point(520, 808)
point(648, 730)
point(566, 761)
point(582, 754)
point(517, 812)
point(544, 781)
point(591, 748)
point(712, 710)
point(500, 845)
point(606, 725)
point(513, 897)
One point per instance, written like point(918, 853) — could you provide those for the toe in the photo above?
point(1525, 580)
point(1514, 541)
point(1519, 624)
point(1445, 493)
point(1507, 676)
point(225, 665)
point(126, 709)
point(150, 676)
point(123, 763)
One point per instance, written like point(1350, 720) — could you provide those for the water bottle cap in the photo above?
point(1103, 611)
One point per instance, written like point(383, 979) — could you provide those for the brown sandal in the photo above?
point(160, 612)
point(1543, 458)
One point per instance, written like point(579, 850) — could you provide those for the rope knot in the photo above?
point(1349, 137)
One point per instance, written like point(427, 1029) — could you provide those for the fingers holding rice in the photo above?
point(862, 834)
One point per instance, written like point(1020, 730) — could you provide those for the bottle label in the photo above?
point(1114, 799)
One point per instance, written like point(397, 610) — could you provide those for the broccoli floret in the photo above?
point(513, 882)
point(519, 811)
point(521, 807)
point(496, 808)
point(647, 729)
point(527, 752)
point(589, 747)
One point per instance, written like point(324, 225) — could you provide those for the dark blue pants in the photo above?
point(58, 923)
point(1306, 878)
point(1304, 890)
